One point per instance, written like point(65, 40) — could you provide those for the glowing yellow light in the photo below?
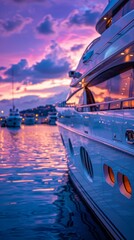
point(105, 18)
point(122, 53)
point(36, 115)
point(131, 55)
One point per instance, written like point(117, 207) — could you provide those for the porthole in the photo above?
point(124, 185)
point(86, 162)
point(109, 175)
point(71, 147)
point(62, 140)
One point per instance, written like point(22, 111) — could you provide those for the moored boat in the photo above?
point(29, 119)
point(51, 118)
point(14, 119)
point(96, 121)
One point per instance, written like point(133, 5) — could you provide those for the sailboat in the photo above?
point(14, 119)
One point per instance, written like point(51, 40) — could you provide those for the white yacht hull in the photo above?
point(114, 210)
point(96, 121)
point(13, 121)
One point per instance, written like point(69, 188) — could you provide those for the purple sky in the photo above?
point(40, 41)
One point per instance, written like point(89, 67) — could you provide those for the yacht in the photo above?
point(14, 119)
point(51, 118)
point(29, 119)
point(96, 121)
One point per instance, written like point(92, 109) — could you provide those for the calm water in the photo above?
point(37, 201)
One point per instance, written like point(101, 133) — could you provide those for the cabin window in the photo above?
point(101, 92)
point(128, 6)
point(109, 175)
point(108, 22)
point(118, 15)
point(115, 105)
point(124, 185)
point(83, 96)
point(86, 162)
point(128, 104)
point(77, 98)
point(123, 9)
point(118, 87)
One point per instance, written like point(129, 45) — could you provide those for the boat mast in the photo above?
point(13, 89)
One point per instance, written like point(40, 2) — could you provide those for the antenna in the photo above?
point(13, 88)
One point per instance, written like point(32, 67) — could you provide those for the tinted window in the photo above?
point(83, 96)
point(118, 87)
point(77, 98)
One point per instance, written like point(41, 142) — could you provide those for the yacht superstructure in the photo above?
point(96, 121)
point(14, 119)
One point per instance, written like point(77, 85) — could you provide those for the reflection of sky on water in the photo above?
point(37, 201)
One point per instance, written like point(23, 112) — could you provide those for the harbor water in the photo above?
point(37, 200)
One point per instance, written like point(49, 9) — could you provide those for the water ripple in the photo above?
point(37, 201)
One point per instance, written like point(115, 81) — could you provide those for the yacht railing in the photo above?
point(126, 103)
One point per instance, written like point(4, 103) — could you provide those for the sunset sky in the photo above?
point(40, 41)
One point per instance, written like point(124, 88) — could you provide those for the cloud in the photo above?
point(76, 47)
point(2, 68)
point(54, 65)
point(87, 18)
point(15, 25)
point(45, 27)
point(17, 69)
point(49, 68)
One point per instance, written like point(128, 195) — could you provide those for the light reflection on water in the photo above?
point(36, 198)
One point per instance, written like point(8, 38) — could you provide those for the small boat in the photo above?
point(52, 117)
point(14, 119)
point(29, 119)
point(2, 121)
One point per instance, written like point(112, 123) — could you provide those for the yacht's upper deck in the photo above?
point(114, 11)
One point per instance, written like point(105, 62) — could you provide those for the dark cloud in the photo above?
point(86, 18)
point(2, 68)
point(46, 26)
point(76, 47)
point(17, 69)
point(50, 68)
point(15, 25)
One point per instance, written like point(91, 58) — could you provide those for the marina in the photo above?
point(67, 120)
point(37, 199)
point(96, 121)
